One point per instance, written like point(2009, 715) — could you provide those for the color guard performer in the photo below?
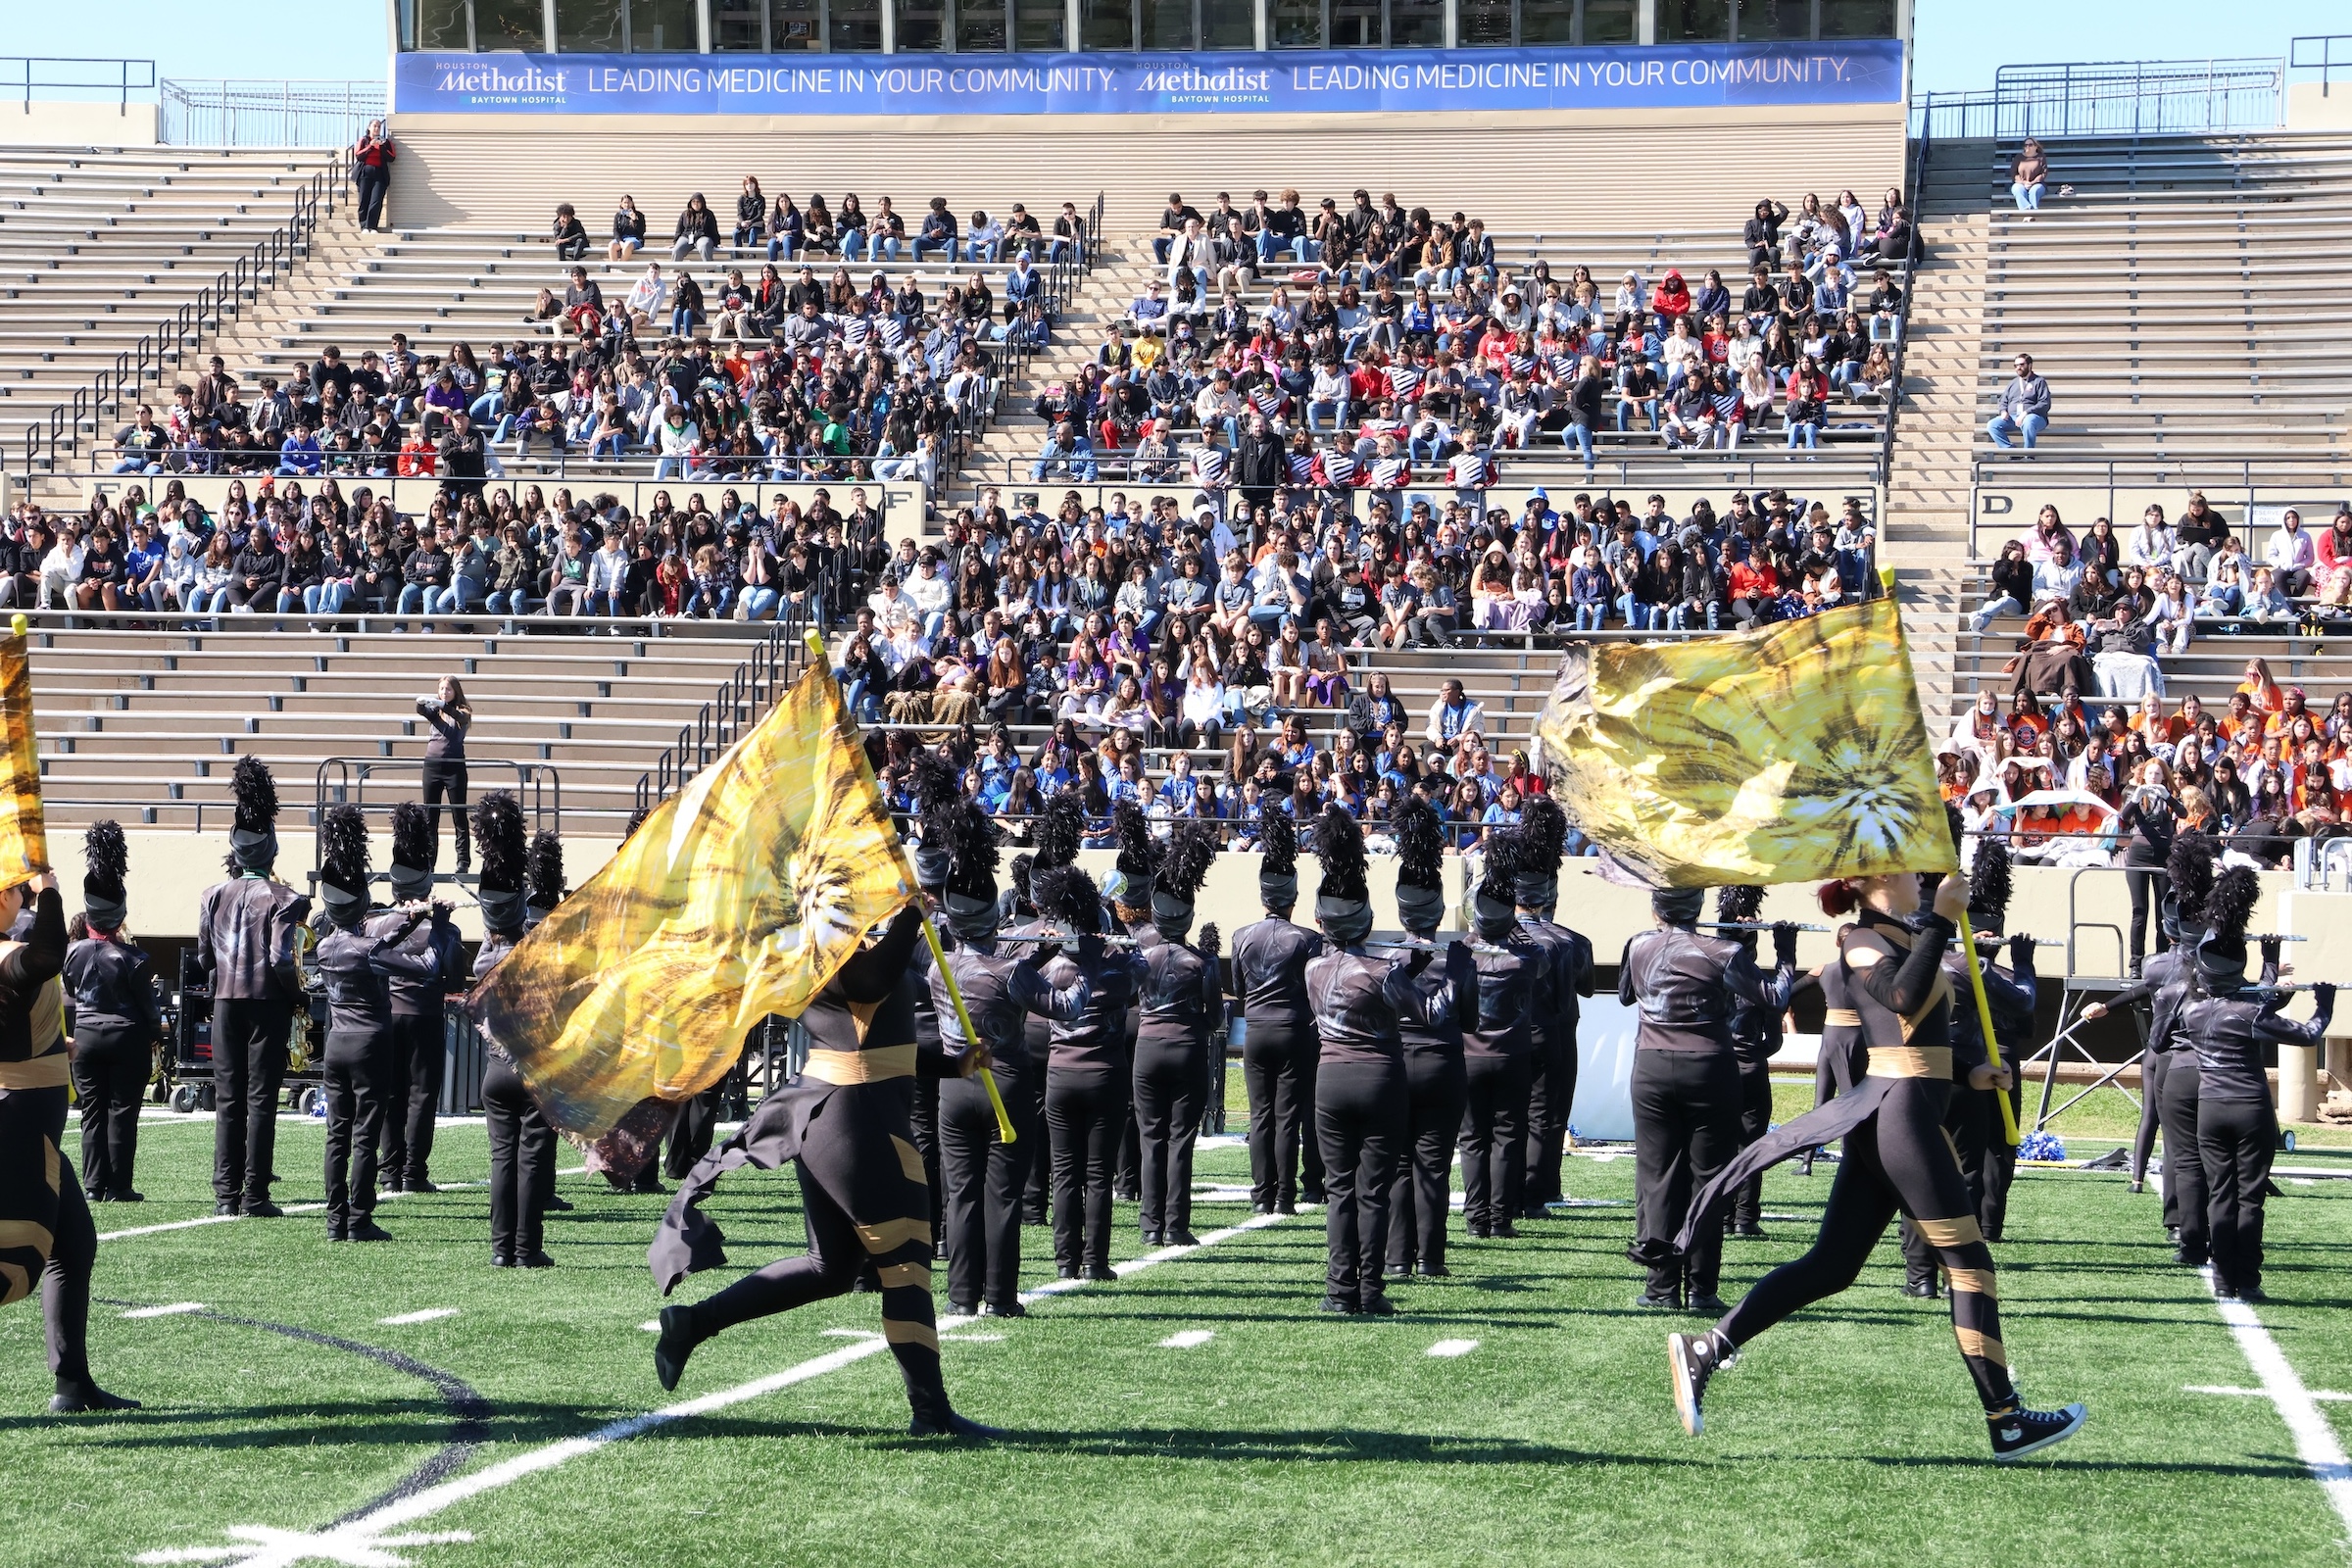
point(1498, 1046)
point(420, 1050)
point(1891, 977)
point(843, 1125)
point(1756, 1033)
point(522, 1146)
point(1086, 1072)
point(1551, 1094)
point(1180, 998)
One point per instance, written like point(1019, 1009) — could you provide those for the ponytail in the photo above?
point(1839, 898)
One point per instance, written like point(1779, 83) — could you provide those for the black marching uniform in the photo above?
point(1085, 1102)
point(247, 939)
point(985, 1177)
point(1437, 1088)
point(1756, 1034)
point(2237, 1127)
point(2168, 982)
point(1685, 1089)
point(357, 965)
point(844, 1126)
point(522, 1146)
point(1498, 1050)
point(418, 1047)
point(1552, 1088)
point(1361, 1003)
point(116, 1020)
point(1266, 971)
point(1180, 998)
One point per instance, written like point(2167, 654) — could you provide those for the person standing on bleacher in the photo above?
point(371, 170)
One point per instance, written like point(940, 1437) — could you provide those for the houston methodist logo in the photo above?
point(1187, 79)
point(479, 73)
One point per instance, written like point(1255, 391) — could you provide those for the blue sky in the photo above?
point(1960, 42)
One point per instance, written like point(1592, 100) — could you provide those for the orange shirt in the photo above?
point(2167, 731)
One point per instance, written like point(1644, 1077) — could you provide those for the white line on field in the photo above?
point(425, 1315)
point(1188, 1339)
point(652, 1325)
point(2319, 1395)
point(2315, 1440)
point(971, 1339)
point(361, 1541)
point(174, 1310)
point(290, 1209)
point(1446, 1349)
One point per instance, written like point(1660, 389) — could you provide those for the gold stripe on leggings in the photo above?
point(893, 1234)
point(51, 1164)
point(24, 1233)
point(859, 1066)
point(911, 1160)
point(41, 1072)
point(1983, 1347)
point(1975, 1281)
point(14, 1283)
point(897, 1332)
point(1840, 1018)
point(1911, 1062)
point(895, 1275)
point(1950, 1232)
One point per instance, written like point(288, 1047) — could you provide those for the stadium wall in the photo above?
point(1555, 172)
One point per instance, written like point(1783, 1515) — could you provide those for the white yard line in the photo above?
point(363, 1539)
point(290, 1209)
point(2320, 1396)
point(427, 1314)
point(1188, 1339)
point(1447, 1349)
point(176, 1309)
point(2316, 1442)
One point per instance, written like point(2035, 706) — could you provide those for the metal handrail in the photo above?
point(282, 105)
point(2121, 98)
point(183, 332)
point(1116, 464)
point(2324, 64)
point(740, 701)
point(26, 75)
point(1921, 149)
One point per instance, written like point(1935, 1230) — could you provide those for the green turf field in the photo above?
point(1846, 1436)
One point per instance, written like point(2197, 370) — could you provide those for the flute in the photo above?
point(1065, 941)
point(1753, 926)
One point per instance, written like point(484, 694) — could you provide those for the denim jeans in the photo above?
point(862, 705)
point(670, 467)
point(681, 321)
point(1993, 609)
point(2026, 194)
point(325, 598)
point(715, 602)
point(759, 604)
point(1636, 614)
point(137, 465)
point(462, 594)
point(779, 248)
point(1625, 412)
point(508, 601)
point(2005, 431)
point(201, 601)
point(1592, 616)
point(487, 407)
point(1336, 413)
point(413, 599)
point(1804, 433)
point(1678, 617)
point(1580, 436)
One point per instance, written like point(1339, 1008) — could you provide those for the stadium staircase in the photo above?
point(147, 725)
point(1925, 537)
point(108, 264)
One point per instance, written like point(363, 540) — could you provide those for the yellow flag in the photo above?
point(1791, 753)
point(24, 841)
point(740, 896)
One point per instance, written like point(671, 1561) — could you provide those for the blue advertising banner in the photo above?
point(1301, 82)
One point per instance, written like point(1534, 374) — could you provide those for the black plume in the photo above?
point(1184, 866)
point(343, 843)
point(498, 828)
point(1505, 852)
point(1546, 828)
point(1277, 841)
point(932, 781)
point(636, 821)
point(547, 870)
point(414, 842)
point(106, 858)
point(1136, 853)
point(1065, 892)
point(1420, 845)
point(1988, 881)
point(2231, 903)
point(1739, 904)
point(1023, 865)
point(257, 795)
point(2190, 868)
point(1339, 847)
point(1957, 825)
point(970, 836)
point(1209, 943)
point(1059, 832)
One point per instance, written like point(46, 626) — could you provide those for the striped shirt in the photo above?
point(1340, 468)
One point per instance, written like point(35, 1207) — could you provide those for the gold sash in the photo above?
point(41, 1072)
point(878, 1066)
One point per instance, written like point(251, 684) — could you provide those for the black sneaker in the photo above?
point(1100, 1273)
point(1709, 1304)
point(1066, 1271)
point(2021, 1432)
point(389, 1184)
point(677, 1343)
point(1435, 1271)
point(418, 1184)
point(1693, 1358)
point(126, 1196)
point(1748, 1233)
point(1004, 1310)
point(1922, 1290)
point(1669, 1302)
point(368, 1230)
point(2253, 1295)
point(1378, 1306)
point(535, 1259)
point(1152, 1237)
point(262, 1209)
point(558, 1206)
point(228, 1207)
point(958, 1310)
point(1180, 1238)
point(1339, 1306)
point(85, 1398)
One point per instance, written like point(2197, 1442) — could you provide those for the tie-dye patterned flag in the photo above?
point(740, 896)
point(1791, 753)
point(24, 842)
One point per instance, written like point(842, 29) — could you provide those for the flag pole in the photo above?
point(1993, 1047)
point(815, 642)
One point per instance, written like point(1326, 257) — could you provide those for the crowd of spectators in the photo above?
point(784, 374)
point(315, 556)
point(2064, 783)
point(1380, 344)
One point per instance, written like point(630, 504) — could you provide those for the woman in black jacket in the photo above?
point(696, 230)
point(628, 231)
point(751, 213)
